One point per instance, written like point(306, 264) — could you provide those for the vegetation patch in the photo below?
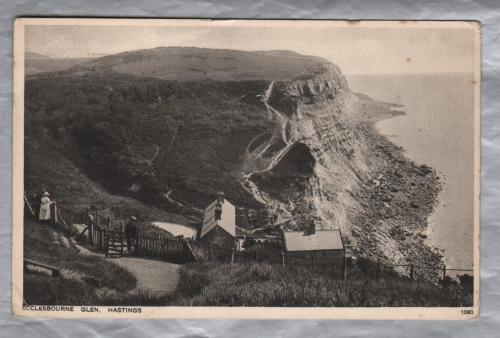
point(84, 279)
point(261, 284)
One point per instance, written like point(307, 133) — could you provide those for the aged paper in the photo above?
point(246, 169)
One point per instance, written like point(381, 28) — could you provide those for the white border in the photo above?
point(227, 312)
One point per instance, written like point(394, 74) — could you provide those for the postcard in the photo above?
point(260, 169)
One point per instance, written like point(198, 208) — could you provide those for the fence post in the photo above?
point(104, 242)
point(411, 272)
point(444, 271)
point(378, 268)
point(344, 272)
point(98, 238)
point(91, 233)
point(232, 256)
point(53, 211)
point(257, 255)
point(121, 243)
point(282, 258)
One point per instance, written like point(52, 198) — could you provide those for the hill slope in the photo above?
point(36, 63)
point(195, 64)
point(274, 130)
point(83, 280)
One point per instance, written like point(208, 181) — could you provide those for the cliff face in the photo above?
point(326, 126)
point(347, 176)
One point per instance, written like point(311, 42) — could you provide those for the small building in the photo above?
point(317, 248)
point(219, 223)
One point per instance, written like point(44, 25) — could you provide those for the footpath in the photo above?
point(155, 277)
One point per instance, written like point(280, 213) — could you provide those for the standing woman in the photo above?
point(45, 203)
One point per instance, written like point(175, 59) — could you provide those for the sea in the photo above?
point(437, 130)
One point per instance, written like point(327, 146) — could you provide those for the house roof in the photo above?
point(321, 240)
point(227, 221)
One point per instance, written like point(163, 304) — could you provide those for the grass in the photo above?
point(260, 284)
point(86, 280)
point(96, 281)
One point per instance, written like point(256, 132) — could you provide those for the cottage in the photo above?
point(219, 223)
point(317, 248)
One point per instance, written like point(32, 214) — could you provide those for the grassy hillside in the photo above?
point(84, 280)
point(167, 126)
point(48, 169)
point(260, 284)
point(199, 64)
point(36, 63)
point(143, 137)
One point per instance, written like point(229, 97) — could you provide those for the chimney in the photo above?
point(220, 197)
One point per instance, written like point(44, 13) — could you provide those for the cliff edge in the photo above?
point(339, 172)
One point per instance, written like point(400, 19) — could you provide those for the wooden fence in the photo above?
point(108, 236)
point(254, 254)
point(175, 250)
point(380, 269)
point(344, 267)
point(271, 254)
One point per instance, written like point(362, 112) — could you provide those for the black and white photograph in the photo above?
point(246, 169)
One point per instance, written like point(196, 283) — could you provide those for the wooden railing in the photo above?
point(342, 267)
point(379, 269)
point(174, 250)
point(115, 243)
point(261, 253)
point(97, 237)
point(106, 235)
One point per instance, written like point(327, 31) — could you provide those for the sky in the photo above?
point(355, 48)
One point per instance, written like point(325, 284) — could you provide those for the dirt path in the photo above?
point(154, 276)
point(154, 156)
point(245, 180)
point(168, 196)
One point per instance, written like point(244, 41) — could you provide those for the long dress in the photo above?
point(44, 209)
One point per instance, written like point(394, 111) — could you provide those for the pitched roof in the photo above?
point(321, 240)
point(227, 221)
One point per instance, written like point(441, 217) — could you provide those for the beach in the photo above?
point(436, 130)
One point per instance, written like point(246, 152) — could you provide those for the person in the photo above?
point(88, 219)
point(131, 233)
point(45, 203)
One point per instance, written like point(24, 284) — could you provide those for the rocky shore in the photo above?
point(396, 204)
point(342, 173)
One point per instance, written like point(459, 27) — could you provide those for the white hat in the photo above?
point(46, 194)
point(133, 217)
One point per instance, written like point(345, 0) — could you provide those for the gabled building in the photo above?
point(219, 223)
point(323, 249)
